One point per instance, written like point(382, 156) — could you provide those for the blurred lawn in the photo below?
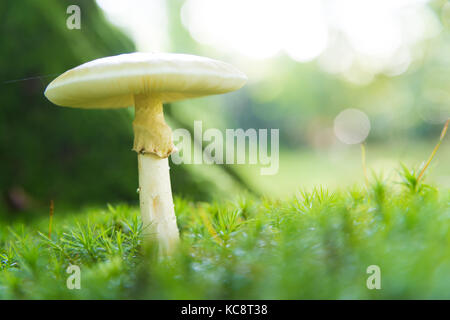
point(341, 167)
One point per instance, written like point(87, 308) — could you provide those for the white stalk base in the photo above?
point(157, 209)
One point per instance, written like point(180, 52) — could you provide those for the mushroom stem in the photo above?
point(157, 209)
point(153, 143)
point(151, 132)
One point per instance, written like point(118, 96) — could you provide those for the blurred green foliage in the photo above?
point(302, 100)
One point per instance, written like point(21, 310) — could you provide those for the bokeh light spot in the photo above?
point(351, 126)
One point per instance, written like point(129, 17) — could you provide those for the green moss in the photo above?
point(315, 245)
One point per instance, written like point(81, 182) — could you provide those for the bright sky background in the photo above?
point(354, 38)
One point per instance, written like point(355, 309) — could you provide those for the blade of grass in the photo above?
point(363, 159)
point(209, 227)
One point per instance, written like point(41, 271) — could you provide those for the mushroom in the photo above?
point(147, 80)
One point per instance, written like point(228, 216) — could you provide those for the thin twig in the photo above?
point(444, 131)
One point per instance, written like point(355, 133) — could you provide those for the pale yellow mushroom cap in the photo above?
point(112, 82)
